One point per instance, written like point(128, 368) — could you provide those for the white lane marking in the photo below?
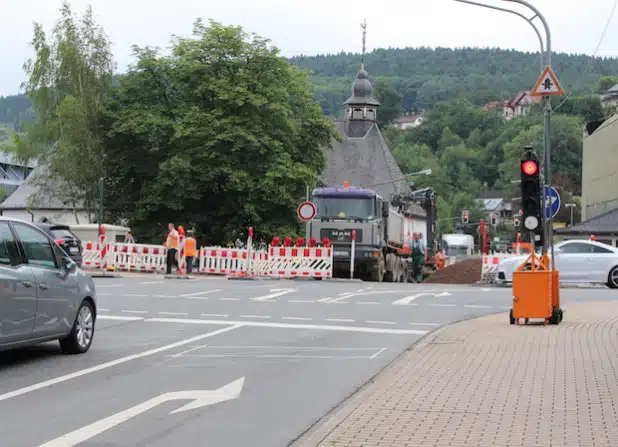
point(443, 305)
point(152, 282)
point(379, 322)
point(274, 294)
point(340, 320)
point(100, 309)
point(191, 349)
point(135, 294)
point(475, 306)
point(128, 358)
point(205, 292)
point(296, 318)
point(301, 301)
point(229, 299)
point(325, 327)
point(164, 296)
point(173, 313)
point(324, 300)
point(409, 299)
point(368, 302)
point(377, 353)
point(119, 318)
point(294, 348)
point(103, 293)
point(213, 315)
point(109, 285)
point(373, 292)
point(424, 324)
point(135, 311)
point(255, 316)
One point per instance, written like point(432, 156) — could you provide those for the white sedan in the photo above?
point(578, 261)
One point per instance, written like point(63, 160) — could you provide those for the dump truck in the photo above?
point(382, 229)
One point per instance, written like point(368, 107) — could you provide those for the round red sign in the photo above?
point(306, 211)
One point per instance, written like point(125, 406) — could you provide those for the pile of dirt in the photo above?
point(467, 271)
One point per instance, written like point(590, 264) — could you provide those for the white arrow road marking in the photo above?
point(275, 294)
point(409, 299)
point(200, 294)
point(351, 294)
point(199, 398)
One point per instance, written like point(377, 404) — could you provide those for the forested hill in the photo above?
point(425, 76)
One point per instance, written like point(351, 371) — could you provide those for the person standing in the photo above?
point(172, 242)
point(418, 257)
point(190, 250)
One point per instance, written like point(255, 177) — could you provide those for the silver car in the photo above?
point(44, 296)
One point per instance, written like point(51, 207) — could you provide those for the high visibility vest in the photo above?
point(172, 239)
point(190, 248)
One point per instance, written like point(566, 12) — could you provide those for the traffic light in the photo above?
point(465, 216)
point(531, 192)
point(516, 221)
point(493, 219)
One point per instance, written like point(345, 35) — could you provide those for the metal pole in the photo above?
point(100, 217)
point(510, 11)
point(571, 215)
point(307, 224)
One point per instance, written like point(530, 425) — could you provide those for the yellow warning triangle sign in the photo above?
point(547, 85)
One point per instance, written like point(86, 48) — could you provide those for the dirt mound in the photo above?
point(464, 272)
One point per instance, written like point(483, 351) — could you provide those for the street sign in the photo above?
point(306, 211)
point(547, 85)
point(198, 398)
point(552, 201)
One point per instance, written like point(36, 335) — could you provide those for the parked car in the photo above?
point(66, 239)
point(44, 295)
point(578, 261)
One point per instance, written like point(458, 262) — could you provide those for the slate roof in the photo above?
point(603, 224)
point(19, 200)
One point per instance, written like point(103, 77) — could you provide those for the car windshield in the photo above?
point(345, 208)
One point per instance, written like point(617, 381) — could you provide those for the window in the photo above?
point(62, 233)
point(577, 248)
point(601, 250)
point(8, 248)
point(37, 246)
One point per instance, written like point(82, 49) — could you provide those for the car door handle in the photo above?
point(43, 286)
point(27, 283)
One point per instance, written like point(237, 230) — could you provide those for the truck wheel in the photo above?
point(378, 273)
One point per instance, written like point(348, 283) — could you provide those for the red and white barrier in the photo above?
point(278, 262)
point(489, 268)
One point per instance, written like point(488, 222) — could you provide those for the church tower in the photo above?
point(361, 106)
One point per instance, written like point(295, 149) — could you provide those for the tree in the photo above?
point(221, 135)
point(68, 81)
point(390, 102)
point(605, 83)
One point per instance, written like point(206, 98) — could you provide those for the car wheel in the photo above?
point(612, 278)
point(82, 333)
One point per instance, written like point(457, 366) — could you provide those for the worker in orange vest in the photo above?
point(172, 242)
point(190, 250)
point(440, 259)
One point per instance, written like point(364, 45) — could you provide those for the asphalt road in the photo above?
point(261, 361)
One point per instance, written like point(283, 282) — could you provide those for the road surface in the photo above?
point(249, 362)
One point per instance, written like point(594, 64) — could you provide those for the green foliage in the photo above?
point(390, 102)
point(426, 76)
point(67, 83)
point(220, 135)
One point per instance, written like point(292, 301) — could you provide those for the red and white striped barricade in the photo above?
point(489, 268)
point(139, 257)
point(222, 261)
point(300, 262)
point(95, 255)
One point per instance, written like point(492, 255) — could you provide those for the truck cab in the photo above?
point(341, 210)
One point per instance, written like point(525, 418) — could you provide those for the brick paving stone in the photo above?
point(485, 382)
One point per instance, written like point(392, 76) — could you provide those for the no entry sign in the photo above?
point(306, 211)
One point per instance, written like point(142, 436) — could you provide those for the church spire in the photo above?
point(364, 27)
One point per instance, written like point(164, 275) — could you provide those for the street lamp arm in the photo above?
point(530, 22)
point(543, 21)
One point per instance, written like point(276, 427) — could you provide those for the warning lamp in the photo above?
point(346, 184)
point(529, 167)
point(465, 216)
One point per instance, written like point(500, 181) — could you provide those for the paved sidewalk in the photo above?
point(484, 382)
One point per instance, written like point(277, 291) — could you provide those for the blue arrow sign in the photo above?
point(552, 201)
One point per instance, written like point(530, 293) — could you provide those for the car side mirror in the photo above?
point(68, 265)
point(385, 209)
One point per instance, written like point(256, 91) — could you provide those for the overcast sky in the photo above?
point(315, 26)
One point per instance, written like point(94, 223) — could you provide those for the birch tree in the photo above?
point(68, 80)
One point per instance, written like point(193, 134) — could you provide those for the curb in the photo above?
point(321, 428)
point(178, 277)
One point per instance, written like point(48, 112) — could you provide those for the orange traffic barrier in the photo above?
point(536, 291)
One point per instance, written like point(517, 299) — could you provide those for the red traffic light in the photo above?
point(529, 167)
